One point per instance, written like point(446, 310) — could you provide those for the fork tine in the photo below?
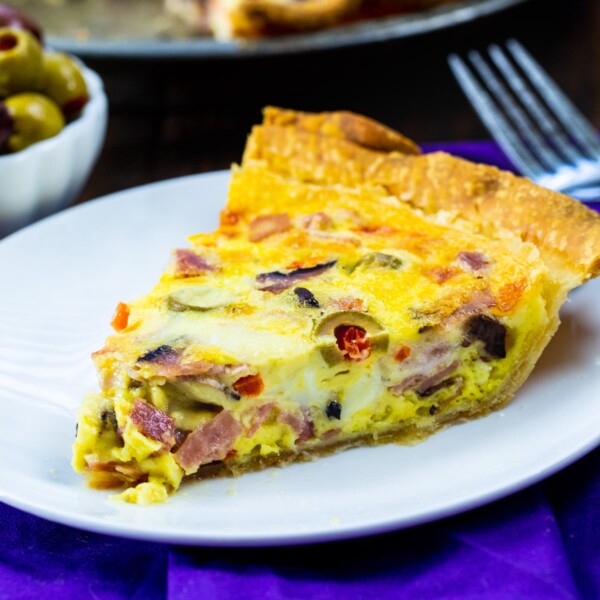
point(536, 142)
point(583, 131)
point(538, 112)
point(492, 118)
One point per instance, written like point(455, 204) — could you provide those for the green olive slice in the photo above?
point(329, 323)
point(376, 259)
point(195, 297)
point(326, 327)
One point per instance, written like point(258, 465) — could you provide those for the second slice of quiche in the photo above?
point(355, 292)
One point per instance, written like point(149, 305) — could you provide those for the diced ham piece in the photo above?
point(336, 237)
point(104, 476)
point(166, 362)
point(301, 424)
point(209, 442)
point(329, 435)
point(422, 362)
point(132, 472)
point(93, 464)
point(476, 304)
point(474, 261)
point(409, 383)
point(437, 378)
point(200, 367)
point(277, 281)
point(441, 273)
point(153, 423)
point(193, 369)
point(319, 221)
point(421, 382)
point(189, 264)
point(260, 416)
point(267, 225)
point(347, 303)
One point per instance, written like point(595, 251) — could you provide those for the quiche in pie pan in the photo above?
point(227, 19)
point(356, 292)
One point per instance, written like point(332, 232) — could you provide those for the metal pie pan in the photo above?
point(109, 28)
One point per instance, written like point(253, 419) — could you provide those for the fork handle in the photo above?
point(581, 183)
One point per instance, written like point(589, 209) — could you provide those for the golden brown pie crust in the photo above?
point(493, 202)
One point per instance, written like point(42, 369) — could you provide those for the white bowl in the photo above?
point(47, 176)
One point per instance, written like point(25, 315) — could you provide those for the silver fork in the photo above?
point(532, 120)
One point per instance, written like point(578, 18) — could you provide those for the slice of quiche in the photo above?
point(355, 292)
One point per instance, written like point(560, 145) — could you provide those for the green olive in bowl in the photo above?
point(33, 117)
point(64, 83)
point(20, 62)
point(45, 177)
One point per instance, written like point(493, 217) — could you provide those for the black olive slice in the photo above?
point(334, 410)
point(491, 332)
point(161, 354)
point(306, 297)
point(277, 281)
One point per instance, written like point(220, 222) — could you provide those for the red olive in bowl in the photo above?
point(11, 17)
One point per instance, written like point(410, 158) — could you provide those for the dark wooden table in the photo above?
point(173, 118)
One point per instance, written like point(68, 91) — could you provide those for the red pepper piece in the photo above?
point(121, 317)
point(251, 385)
point(353, 342)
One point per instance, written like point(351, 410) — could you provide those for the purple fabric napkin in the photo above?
point(543, 542)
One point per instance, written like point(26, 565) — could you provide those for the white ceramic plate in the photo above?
point(61, 280)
